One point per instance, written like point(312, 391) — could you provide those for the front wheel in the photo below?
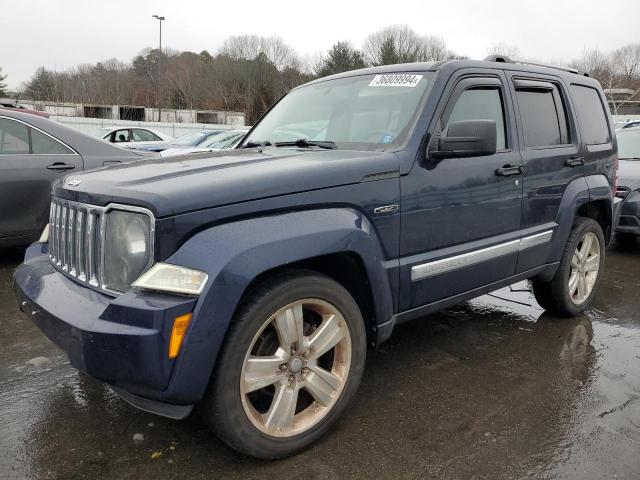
point(292, 360)
point(574, 285)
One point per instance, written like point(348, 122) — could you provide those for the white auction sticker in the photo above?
point(395, 80)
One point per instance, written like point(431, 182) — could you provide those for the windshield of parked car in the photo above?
point(191, 139)
point(628, 145)
point(365, 112)
point(223, 140)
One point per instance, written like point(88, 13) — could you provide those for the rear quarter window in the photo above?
point(593, 117)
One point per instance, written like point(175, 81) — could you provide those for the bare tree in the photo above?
point(502, 48)
point(616, 71)
point(626, 62)
point(3, 85)
point(401, 44)
point(248, 47)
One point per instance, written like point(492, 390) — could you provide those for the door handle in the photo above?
point(60, 166)
point(509, 170)
point(574, 161)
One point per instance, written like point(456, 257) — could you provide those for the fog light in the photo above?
point(180, 325)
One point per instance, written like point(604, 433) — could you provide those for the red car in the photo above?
point(5, 106)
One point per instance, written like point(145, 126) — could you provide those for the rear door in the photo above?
point(551, 158)
point(30, 160)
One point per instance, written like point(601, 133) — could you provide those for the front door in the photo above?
point(461, 216)
point(30, 160)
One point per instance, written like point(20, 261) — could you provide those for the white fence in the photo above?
point(90, 125)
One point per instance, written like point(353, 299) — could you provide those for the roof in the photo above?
point(452, 65)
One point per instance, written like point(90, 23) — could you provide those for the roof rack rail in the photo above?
point(506, 59)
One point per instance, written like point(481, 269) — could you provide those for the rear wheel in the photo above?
point(576, 281)
point(292, 361)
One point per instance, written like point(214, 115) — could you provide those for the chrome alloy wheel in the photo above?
point(296, 368)
point(585, 266)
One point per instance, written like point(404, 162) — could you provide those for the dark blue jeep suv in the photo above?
point(252, 282)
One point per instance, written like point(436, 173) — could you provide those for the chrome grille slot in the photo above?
point(74, 242)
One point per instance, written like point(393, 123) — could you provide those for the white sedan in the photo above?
point(132, 136)
point(225, 140)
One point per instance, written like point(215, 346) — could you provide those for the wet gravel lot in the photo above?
point(494, 388)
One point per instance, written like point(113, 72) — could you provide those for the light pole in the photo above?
point(160, 19)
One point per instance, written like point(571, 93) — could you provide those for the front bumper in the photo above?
point(629, 221)
point(122, 341)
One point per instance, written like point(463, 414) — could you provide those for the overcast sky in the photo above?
point(60, 34)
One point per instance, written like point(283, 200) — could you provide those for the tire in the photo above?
point(259, 422)
point(554, 295)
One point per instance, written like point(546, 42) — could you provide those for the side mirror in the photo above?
point(468, 138)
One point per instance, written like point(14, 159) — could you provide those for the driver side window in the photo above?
point(480, 104)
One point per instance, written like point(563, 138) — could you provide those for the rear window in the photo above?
point(593, 118)
point(141, 135)
point(542, 114)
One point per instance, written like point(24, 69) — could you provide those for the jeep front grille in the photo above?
point(75, 240)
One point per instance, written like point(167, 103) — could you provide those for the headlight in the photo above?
point(172, 278)
point(127, 248)
point(44, 237)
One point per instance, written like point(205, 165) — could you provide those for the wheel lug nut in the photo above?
point(283, 366)
point(292, 379)
point(305, 370)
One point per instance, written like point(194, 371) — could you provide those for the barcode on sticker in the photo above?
point(395, 80)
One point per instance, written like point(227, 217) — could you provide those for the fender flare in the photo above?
point(254, 246)
point(578, 193)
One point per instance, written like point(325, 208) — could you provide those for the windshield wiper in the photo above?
point(266, 143)
point(304, 143)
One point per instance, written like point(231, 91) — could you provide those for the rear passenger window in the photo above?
point(480, 104)
point(14, 137)
point(542, 113)
point(42, 144)
point(593, 118)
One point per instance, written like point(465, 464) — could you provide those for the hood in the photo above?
point(186, 183)
point(629, 174)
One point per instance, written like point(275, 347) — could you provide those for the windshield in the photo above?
point(191, 139)
point(628, 145)
point(363, 112)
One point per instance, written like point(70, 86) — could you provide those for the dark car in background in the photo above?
point(628, 229)
point(186, 141)
point(34, 153)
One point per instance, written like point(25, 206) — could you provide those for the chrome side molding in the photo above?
point(438, 267)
